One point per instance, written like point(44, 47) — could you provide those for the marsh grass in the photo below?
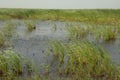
point(83, 60)
point(30, 66)
point(6, 33)
point(76, 60)
point(106, 33)
point(9, 28)
point(77, 32)
point(98, 32)
point(10, 63)
point(119, 72)
point(30, 25)
point(99, 16)
point(2, 41)
point(12, 66)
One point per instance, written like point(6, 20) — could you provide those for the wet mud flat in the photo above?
point(33, 45)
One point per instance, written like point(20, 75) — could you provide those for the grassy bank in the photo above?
point(98, 16)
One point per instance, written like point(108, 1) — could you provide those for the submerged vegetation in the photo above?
point(83, 60)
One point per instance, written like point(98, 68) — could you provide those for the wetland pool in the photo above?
point(33, 45)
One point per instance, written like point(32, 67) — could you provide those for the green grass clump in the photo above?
point(119, 72)
point(99, 16)
point(8, 29)
point(10, 63)
point(99, 32)
point(106, 33)
point(2, 41)
point(77, 32)
point(6, 33)
point(30, 25)
point(12, 66)
point(83, 60)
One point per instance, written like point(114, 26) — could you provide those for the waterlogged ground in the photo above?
point(33, 45)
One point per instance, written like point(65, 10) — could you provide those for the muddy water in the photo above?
point(33, 45)
point(113, 48)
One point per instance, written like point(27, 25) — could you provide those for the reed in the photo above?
point(99, 32)
point(77, 32)
point(10, 64)
point(2, 41)
point(83, 60)
point(30, 25)
point(6, 33)
point(99, 16)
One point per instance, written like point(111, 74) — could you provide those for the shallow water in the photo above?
point(36, 42)
point(33, 45)
point(113, 48)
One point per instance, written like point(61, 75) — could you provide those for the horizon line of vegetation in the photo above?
point(98, 16)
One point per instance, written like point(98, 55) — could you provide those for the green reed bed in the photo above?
point(77, 32)
point(105, 32)
point(82, 60)
point(99, 16)
point(98, 32)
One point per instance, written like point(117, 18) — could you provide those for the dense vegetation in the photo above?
point(98, 32)
point(83, 60)
point(98, 16)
